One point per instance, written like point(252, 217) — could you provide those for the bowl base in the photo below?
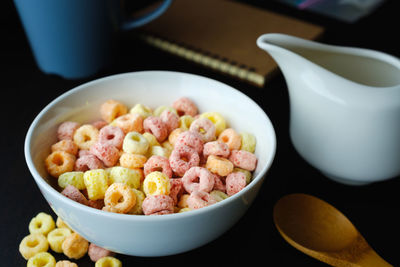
point(345, 181)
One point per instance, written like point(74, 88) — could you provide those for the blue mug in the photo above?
point(74, 38)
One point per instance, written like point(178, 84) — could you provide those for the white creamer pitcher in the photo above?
point(344, 107)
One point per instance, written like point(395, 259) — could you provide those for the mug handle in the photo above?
point(146, 18)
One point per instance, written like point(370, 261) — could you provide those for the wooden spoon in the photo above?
point(321, 231)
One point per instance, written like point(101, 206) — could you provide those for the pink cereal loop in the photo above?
point(158, 204)
point(219, 182)
point(157, 163)
point(95, 252)
point(231, 138)
point(205, 128)
point(74, 194)
point(190, 139)
point(67, 129)
point(176, 189)
point(112, 135)
point(99, 124)
point(182, 159)
point(200, 199)
point(88, 162)
point(155, 126)
point(185, 106)
point(216, 148)
point(170, 119)
point(235, 182)
point(108, 154)
point(243, 159)
point(198, 179)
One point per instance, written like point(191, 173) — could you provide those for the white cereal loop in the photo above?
point(135, 143)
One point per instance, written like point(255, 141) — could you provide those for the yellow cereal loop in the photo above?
point(137, 209)
point(160, 109)
point(185, 121)
point(74, 178)
point(248, 142)
point(124, 175)
point(135, 143)
point(151, 139)
point(142, 110)
point(217, 119)
point(218, 195)
point(247, 173)
point(168, 146)
point(33, 244)
point(42, 259)
point(159, 151)
point(132, 161)
point(56, 237)
point(96, 182)
point(85, 136)
point(61, 224)
point(43, 223)
point(184, 210)
point(182, 203)
point(108, 262)
point(156, 183)
point(66, 264)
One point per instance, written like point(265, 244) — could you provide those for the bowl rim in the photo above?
point(41, 182)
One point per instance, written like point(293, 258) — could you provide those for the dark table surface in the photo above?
point(374, 208)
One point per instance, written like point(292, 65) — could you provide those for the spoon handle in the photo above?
point(372, 259)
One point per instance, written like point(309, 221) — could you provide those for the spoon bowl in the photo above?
point(318, 229)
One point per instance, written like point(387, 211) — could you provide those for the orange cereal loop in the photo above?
point(85, 136)
point(112, 109)
point(174, 135)
point(66, 263)
point(59, 162)
point(132, 161)
point(66, 145)
point(119, 198)
point(231, 138)
point(129, 122)
point(219, 165)
point(75, 246)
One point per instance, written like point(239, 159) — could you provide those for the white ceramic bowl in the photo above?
point(150, 235)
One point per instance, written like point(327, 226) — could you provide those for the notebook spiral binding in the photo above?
point(221, 65)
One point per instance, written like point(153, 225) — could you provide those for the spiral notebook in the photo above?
point(221, 35)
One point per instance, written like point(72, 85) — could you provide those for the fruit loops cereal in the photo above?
point(145, 160)
point(46, 236)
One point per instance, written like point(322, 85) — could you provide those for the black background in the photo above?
point(374, 209)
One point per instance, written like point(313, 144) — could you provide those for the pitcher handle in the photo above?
point(146, 18)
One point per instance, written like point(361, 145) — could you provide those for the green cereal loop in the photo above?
point(218, 195)
point(124, 175)
point(74, 178)
point(248, 142)
point(157, 112)
point(185, 121)
point(142, 110)
point(247, 173)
